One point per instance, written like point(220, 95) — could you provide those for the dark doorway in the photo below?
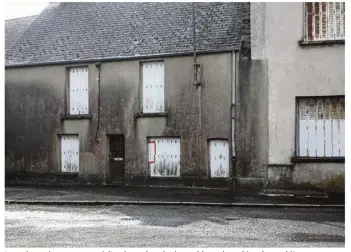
point(116, 157)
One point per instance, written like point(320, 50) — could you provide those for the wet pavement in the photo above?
point(172, 226)
point(115, 194)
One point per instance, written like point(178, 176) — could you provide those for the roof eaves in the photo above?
point(120, 58)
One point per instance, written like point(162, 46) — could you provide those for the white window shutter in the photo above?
point(153, 87)
point(84, 91)
point(342, 127)
point(159, 87)
point(303, 128)
point(73, 91)
point(338, 17)
point(147, 88)
point(323, 23)
point(331, 20)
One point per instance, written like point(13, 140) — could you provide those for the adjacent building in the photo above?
point(237, 95)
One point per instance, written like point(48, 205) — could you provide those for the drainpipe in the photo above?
point(98, 66)
point(197, 71)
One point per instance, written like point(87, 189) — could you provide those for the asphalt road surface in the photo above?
point(172, 226)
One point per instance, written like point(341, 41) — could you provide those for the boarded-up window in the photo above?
point(219, 158)
point(78, 91)
point(164, 157)
point(69, 153)
point(325, 21)
point(153, 87)
point(321, 129)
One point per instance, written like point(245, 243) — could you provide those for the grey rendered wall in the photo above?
point(293, 70)
point(35, 103)
point(120, 103)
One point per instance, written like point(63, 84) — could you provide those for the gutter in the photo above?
point(121, 58)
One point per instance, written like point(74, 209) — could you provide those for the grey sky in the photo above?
point(15, 9)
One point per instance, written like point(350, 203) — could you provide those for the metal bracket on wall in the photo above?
point(197, 74)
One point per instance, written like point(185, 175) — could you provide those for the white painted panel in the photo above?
point(312, 133)
point(219, 158)
point(335, 127)
point(331, 21)
point(328, 128)
point(342, 127)
point(303, 128)
point(320, 128)
point(338, 18)
point(69, 153)
point(159, 86)
point(148, 80)
point(167, 158)
point(64, 153)
point(73, 91)
point(75, 154)
point(84, 90)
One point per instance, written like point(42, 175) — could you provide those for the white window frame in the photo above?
point(153, 87)
point(320, 127)
point(78, 90)
point(330, 24)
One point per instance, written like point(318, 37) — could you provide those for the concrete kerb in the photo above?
point(175, 203)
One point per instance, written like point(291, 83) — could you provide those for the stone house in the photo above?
point(120, 93)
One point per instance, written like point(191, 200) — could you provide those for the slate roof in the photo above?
point(15, 27)
point(83, 31)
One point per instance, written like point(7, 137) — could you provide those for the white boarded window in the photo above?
point(164, 157)
point(321, 127)
point(69, 153)
point(153, 87)
point(219, 158)
point(325, 21)
point(78, 91)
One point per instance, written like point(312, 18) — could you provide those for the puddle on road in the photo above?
point(306, 237)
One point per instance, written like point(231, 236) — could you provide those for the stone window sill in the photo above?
point(74, 117)
point(140, 114)
point(318, 159)
point(304, 43)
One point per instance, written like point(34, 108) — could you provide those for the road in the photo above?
point(172, 226)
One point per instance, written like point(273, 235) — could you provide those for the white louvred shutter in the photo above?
point(331, 20)
point(338, 17)
point(323, 23)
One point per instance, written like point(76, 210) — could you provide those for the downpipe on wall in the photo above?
point(197, 73)
point(98, 140)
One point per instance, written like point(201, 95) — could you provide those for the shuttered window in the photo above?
point(153, 87)
point(164, 157)
point(321, 129)
point(325, 21)
point(70, 153)
point(78, 91)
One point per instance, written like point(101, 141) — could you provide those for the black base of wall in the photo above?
point(18, 178)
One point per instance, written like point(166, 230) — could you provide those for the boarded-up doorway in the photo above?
point(70, 153)
point(116, 157)
point(219, 158)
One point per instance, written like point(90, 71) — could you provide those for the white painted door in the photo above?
point(69, 153)
point(219, 158)
point(164, 157)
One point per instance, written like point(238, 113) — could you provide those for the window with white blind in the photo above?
point(321, 127)
point(153, 87)
point(78, 91)
point(325, 21)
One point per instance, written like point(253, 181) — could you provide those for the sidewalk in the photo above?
point(163, 196)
